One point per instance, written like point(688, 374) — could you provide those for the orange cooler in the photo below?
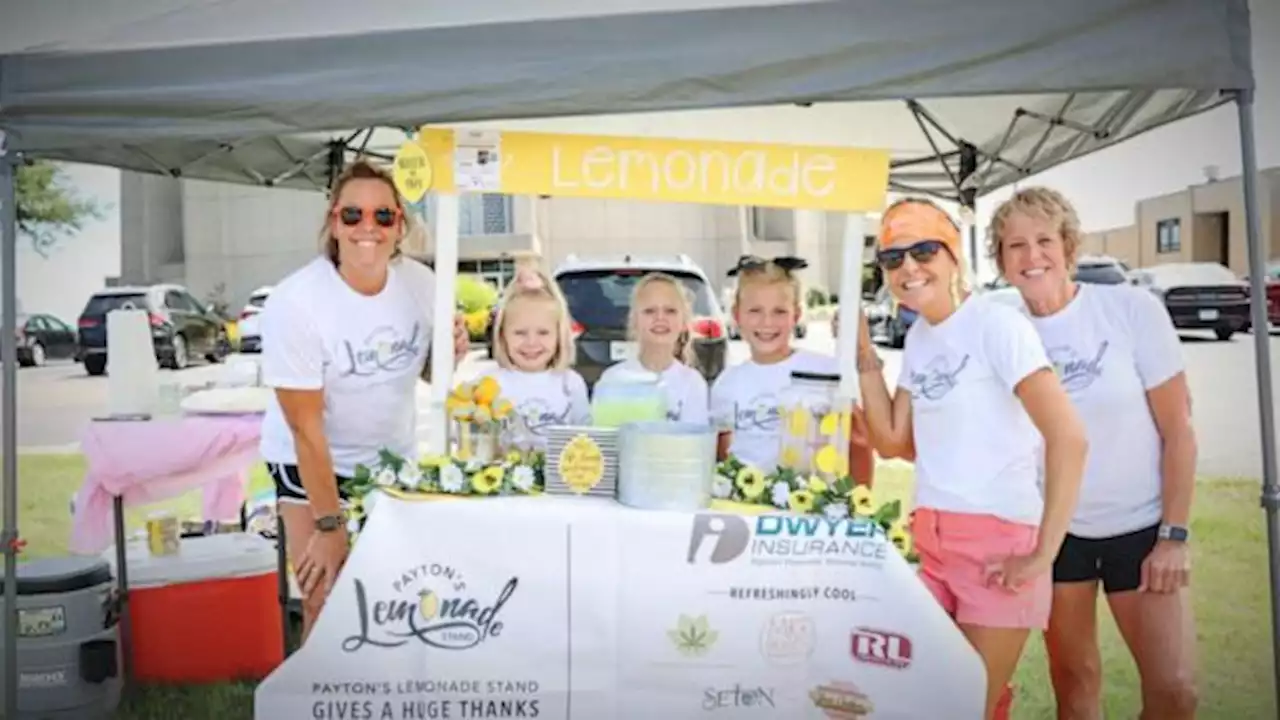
point(206, 614)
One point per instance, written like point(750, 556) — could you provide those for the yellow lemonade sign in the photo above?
point(412, 171)
point(581, 464)
point(722, 173)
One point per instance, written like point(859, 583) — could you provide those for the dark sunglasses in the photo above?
point(755, 262)
point(352, 216)
point(922, 252)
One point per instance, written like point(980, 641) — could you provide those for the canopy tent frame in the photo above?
point(202, 108)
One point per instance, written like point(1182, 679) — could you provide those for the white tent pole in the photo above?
point(9, 416)
point(445, 248)
point(1262, 355)
point(851, 255)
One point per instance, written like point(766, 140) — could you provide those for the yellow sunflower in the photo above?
point(900, 538)
point(862, 502)
point(487, 481)
point(751, 483)
point(801, 501)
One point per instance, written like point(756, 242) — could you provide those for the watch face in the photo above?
point(328, 523)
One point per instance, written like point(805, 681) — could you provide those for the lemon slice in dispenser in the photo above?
point(798, 422)
point(842, 465)
point(790, 457)
point(830, 423)
point(846, 424)
point(827, 459)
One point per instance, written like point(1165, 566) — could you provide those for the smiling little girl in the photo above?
point(659, 324)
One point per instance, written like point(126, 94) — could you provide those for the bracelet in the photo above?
point(870, 362)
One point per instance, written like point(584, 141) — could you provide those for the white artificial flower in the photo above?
point(451, 478)
point(781, 495)
point(522, 478)
point(721, 487)
point(386, 477)
point(409, 476)
point(474, 466)
point(353, 525)
point(836, 511)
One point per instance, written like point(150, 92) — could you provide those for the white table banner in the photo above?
point(586, 610)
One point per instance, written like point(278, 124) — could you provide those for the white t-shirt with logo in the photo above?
point(543, 400)
point(977, 450)
point(366, 353)
point(745, 400)
point(685, 389)
point(1109, 346)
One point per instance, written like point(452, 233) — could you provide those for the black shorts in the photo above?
point(1116, 561)
point(289, 484)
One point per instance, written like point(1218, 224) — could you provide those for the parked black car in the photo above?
point(181, 326)
point(1202, 296)
point(598, 291)
point(44, 337)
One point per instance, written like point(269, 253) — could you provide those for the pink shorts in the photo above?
point(955, 551)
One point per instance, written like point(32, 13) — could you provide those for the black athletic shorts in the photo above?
point(1116, 561)
point(289, 484)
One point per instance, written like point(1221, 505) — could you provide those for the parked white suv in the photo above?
point(250, 334)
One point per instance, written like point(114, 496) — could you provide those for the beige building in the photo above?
point(1204, 223)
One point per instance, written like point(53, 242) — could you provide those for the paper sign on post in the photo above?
point(477, 161)
point(412, 172)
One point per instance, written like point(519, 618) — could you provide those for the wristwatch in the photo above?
point(1176, 533)
point(330, 523)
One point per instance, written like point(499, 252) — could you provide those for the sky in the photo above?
point(1104, 186)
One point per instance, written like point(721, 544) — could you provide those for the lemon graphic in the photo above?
point(428, 604)
point(798, 422)
point(828, 459)
point(830, 422)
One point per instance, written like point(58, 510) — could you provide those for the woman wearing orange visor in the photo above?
point(978, 407)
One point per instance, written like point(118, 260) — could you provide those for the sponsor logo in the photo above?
point(788, 638)
point(787, 540)
point(431, 604)
point(693, 637)
point(841, 701)
point(879, 647)
point(738, 698)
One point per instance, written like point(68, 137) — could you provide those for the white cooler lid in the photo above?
point(213, 557)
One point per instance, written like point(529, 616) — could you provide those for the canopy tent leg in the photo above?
point(1262, 355)
point(445, 250)
point(9, 416)
point(852, 251)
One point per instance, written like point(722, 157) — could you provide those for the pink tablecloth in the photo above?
point(152, 461)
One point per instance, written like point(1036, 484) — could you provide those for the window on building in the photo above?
point(487, 214)
point(1169, 236)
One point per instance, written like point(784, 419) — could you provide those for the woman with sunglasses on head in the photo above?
point(1120, 359)
point(345, 339)
point(977, 408)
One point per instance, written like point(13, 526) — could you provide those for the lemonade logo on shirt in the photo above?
point(1077, 371)
point(538, 415)
point(938, 378)
point(385, 350)
point(759, 413)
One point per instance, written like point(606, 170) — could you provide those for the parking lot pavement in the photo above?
point(55, 402)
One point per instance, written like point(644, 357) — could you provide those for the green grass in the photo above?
point(1230, 591)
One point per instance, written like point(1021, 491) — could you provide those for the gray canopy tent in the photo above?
point(968, 97)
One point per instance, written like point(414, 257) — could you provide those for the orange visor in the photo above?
point(913, 221)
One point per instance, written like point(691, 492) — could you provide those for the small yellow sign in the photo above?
point(412, 171)
point(719, 173)
point(581, 464)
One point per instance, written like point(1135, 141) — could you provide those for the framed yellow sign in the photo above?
point(691, 171)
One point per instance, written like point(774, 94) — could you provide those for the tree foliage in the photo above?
point(48, 209)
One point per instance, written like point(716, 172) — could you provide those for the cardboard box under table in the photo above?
point(209, 613)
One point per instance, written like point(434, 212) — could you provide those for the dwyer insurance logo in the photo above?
point(788, 540)
point(879, 647)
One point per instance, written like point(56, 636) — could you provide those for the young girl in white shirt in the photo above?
point(533, 346)
point(745, 398)
point(659, 324)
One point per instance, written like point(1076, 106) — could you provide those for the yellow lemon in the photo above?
point(830, 423)
point(486, 391)
point(790, 457)
point(428, 604)
point(842, 465)
point(827, 459)
point(502, 409)
point(798, 422)
point(846, 423)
